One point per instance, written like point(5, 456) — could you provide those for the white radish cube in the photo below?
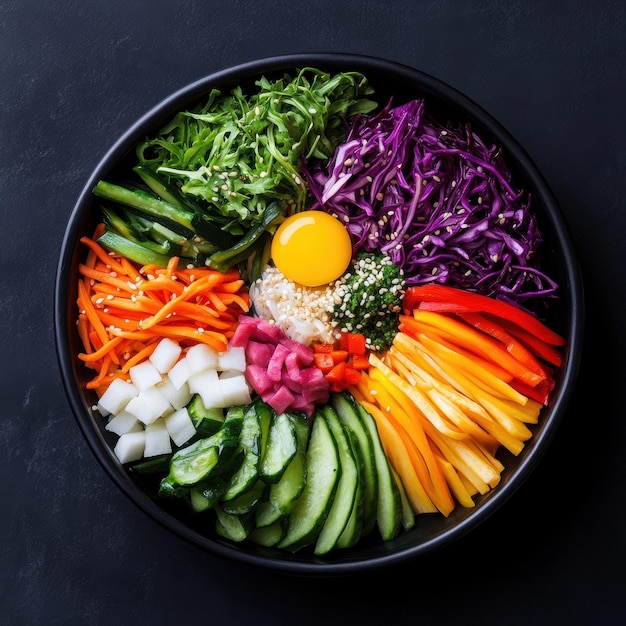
point(201, 357)
point(180, 426)
point(207, 385)
point(157, 439)
point(117, 395)
point(130, 446)
point(144, 375)
point(228, 374)
point(123, 423)
point(234, 390)
point(180, 373)
point(234, 359)
point(165, 355)
point(178, 398)
point(148, 405)
point(201, 381)
point(101, 410)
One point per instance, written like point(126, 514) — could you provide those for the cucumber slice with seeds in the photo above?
point(348, 487)
point(312, 507)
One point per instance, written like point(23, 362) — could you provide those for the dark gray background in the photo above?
point(73, 76)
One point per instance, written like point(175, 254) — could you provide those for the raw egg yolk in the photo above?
point(311, 248)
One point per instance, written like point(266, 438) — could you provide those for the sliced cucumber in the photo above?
point(281, 448)
point(284, 493)
point(389, 506)
point(250, 442)
point(266, 514)
point(150, 467)
point(323, 472)
point(233, 527)
point(205, 497)
point(345, 405)
point(197, 462)
point(408, 514)
point(347, 488)
point(247, 501)
point(355, 527)
point(206, 421)
point(269, 535)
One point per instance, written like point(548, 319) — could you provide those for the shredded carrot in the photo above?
point(125, 309)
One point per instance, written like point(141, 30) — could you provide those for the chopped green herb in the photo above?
point(371, 300)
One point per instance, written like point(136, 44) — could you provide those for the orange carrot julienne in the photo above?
point(125, 309)
point(103, 255)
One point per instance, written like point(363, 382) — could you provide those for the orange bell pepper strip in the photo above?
point(461, 333)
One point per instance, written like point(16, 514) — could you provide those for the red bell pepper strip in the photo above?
point(512, 345)
point(443, 298)
point(543, 350)
point(540, 393)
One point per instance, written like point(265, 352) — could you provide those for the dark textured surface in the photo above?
point(74, 75)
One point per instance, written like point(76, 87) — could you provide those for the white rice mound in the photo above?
point(302, 313)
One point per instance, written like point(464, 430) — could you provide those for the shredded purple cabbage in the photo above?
point(437, 200)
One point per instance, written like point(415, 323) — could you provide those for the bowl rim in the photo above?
point(360, 62)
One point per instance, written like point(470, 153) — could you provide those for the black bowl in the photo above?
point(430, 532)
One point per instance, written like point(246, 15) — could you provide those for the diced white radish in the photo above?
point(148, 405)
point(229, 374)
point(165, 355)
point(234, 359)
point(234, 390)
point(207, 385)
point(180, 373)
point(130, 446)
point(178, 398)
point(180, 426)
point(101, 410)
point(117, 395)
point(123, 423)
point(200, 381)
point(144, 375)
point(201, 357)
point(157, 439)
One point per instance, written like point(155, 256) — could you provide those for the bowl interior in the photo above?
point(558, 257)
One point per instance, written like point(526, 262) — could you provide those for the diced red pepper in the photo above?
point(356, 344)
point(342, 362)
point(352, 376)
point(324, 361)
point(322, 348)
point(339, 356)
point(343, 341)
point(337, 373)
point(359, 361)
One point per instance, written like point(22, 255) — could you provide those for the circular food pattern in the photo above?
point(313, 317)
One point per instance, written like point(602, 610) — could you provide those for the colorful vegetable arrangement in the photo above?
point(307, 414)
